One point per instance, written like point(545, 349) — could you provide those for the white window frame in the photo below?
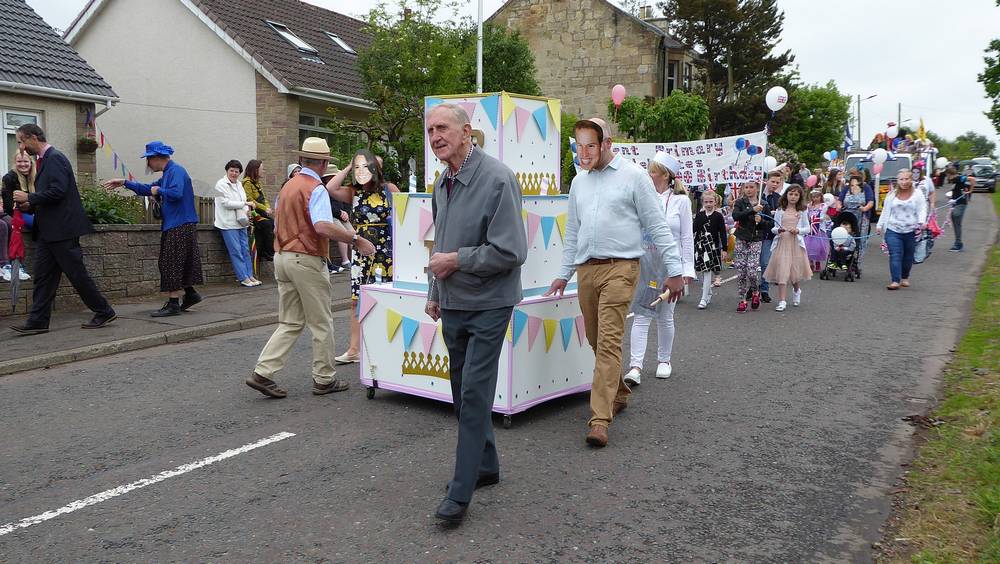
point(287, 34)
point(8, 130)
point(671, 82)
point(340, 42)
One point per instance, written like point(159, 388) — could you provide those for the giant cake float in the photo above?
point(545, 354)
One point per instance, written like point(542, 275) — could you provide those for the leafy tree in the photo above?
point(991, 81)
point(678, 117)
point(508, 63)
point(966, 146)
point(738, 39)
point(815, 121)
point(566, 124)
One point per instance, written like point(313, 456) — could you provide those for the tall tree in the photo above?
point(738, 39)
point(678, 117)
point(508, 62)
point(990, 78)
point(815, 121)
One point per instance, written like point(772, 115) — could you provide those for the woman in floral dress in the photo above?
point(372, 218)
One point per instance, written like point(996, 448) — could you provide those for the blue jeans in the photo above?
point(901, 247)
point(957, 213)
point(765, 257)
point(239, 252)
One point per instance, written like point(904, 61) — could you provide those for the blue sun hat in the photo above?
point(157, 148)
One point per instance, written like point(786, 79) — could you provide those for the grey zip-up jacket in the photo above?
point(482, 222)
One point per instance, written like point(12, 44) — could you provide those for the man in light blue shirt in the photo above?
point(611, 203)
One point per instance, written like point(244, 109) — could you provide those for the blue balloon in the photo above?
point(576, 161)
point(833, 155)
point(572, 147)
point(752, 150)
point(741, 144)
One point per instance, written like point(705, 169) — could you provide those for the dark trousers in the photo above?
point(263, 234)
point(957, 213)
point(474, 340)
point(52, 259)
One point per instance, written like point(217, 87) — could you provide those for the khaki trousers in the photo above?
point(605, 293)
point(304, 296)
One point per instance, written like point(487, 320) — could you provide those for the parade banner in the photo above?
point(725, 160)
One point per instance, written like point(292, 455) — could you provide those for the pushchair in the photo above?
point(844, 257)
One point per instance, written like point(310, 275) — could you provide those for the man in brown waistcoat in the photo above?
point(304, 227)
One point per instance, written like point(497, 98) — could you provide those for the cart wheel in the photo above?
point(371, 392)
point(822, 275)
point(506, 421)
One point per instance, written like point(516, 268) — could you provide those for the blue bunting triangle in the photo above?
point(491, 104)
point(566, 325)
point(431, 102)
point(548, 222)
point(541, 116)
point(520, 321)
point(410, 327)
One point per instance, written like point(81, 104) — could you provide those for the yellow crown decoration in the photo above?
point(430, 187)
point(531, 182)
point(416, 364)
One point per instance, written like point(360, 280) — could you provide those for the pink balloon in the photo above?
point(618, 95)
point(811, 181)
point(877, 168)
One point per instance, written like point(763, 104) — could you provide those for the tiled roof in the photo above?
point(33, 54)
point(246, 22)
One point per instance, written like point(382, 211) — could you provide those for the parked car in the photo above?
point(985, 176)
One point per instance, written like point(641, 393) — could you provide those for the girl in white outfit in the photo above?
point(677, 208)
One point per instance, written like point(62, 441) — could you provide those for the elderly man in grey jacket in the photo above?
point(475, 282)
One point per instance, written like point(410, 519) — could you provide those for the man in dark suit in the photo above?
point(59, 223)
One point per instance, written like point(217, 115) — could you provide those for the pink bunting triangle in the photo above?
point(469, 107)
point(426, 222)
point(522, 116)
point(534, 220)
point(368, 301)
point(534, 325)
point(427, 333)
point(581, 329)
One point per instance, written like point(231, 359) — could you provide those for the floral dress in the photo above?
point(371, 218)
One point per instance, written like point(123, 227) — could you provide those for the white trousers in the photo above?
point(706, 285)
point(664, 335)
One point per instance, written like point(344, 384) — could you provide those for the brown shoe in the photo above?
point(598, 435)
point(265, 386)
point(335, 386)
point(618, 407)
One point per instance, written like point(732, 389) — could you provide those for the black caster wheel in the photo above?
point(371, 392)
point(507, 421)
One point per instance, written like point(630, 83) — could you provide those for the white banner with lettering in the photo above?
point(725, 160)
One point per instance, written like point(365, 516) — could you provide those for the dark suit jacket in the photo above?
point(56, 201)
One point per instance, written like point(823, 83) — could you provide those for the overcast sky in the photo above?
point(900, 51)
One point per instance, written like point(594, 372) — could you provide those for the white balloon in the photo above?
point(892, 132)
point(941, 162)
point(770, 163)
point(826, 155)
point(776, 98)
point(840, 236)
point(879, 156)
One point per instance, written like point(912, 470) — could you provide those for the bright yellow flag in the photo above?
point(921, 132)
point(399, 201)
point(555, 111)
point(561, 223)
point(550, 326)
point(510, 331)
point(392, 322)
point(508, 106)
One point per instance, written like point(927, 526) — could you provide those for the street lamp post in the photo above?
point(860, 138)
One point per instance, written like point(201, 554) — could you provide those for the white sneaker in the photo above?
point(632, 377)
point(664, 370)
point(702, 304)
point(5, 272)
point(781, 306)
point(796, 297)
point(22, 275)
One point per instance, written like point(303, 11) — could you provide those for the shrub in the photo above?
point(107, 207)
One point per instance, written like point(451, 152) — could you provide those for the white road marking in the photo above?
point(120, 490)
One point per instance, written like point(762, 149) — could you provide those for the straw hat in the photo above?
point(315, 148)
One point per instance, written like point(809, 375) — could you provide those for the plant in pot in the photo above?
point(86, 144)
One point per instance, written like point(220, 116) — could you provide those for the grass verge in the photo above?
point(951, 509)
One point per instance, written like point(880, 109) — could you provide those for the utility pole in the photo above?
point(858, 133)
point(899, 114)
point(479, 52)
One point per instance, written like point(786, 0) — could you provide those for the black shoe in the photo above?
point(483, 481)
point(451, 511)
point(167, 310)
point(190, 300)
point(765, 297)
point(335, 386)
point(29, 329)
point(99, 321)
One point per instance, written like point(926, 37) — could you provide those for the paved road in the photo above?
point(776, 441)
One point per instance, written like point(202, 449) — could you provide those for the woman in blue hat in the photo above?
point(180, 257)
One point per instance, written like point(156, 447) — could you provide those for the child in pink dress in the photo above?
point(789, 261)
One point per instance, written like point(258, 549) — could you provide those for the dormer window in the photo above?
point(341, 43)
point(290, 37)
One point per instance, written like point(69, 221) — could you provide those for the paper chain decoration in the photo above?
point(503, 103)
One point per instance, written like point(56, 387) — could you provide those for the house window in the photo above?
point(688, 71)
point(671, 76)
point(341, 43)
point(342, 145)
point(12, 119)
point(290, 37)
